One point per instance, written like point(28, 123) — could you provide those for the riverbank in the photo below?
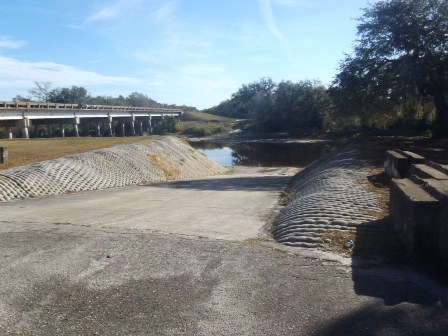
point(194, 257)
point(187, 258)
point(167, 158)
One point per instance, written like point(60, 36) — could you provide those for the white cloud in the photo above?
point(166, 12)
point(6, 42)
point(120, 11)
point(105, 14)
point(266, 9)
point(112, 11)
point(290, 3)
point(21, 75)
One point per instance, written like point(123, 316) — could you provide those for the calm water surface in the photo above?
point(264, 154)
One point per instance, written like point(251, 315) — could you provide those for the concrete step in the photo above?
point(396, 165)
point(415, 158)
point(438, 189)
point(398, 162)
point(415, 213)
point(427, 172)
point(439, 167)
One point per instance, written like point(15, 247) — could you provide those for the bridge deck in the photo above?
point(8, 106)
point(18, 111)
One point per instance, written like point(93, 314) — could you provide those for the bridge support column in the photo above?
point(98, 130)
point(10, 133)
point(25, 131)
point(149, 125)
point(123, 129)
point(133, 125)
point(111, 130)
point(3, 155)
point(141, 128)
point(76, 127)
point(61, 127)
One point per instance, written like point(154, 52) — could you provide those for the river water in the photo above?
point(272, 154)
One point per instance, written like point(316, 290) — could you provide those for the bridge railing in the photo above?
point(54, 106)
point(30, 105)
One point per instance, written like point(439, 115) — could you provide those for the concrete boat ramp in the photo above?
point(190, 258)
point(232, 207)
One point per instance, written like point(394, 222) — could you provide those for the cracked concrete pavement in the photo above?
point(177, 259)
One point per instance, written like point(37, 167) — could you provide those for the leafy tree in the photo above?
point(41, 91)
point(108, 100)
point(401, 56)
point(302, 105)
point(19, 99)
point(73, 95)
point(225, 108)
point(166, 125)
point(279, 107)
point(140, 99)
point(249, 99)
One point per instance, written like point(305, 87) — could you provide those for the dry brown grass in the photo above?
point(286, 196)
point(200, 116)
point(170, 171)
point(335, 240)
point(22, 151)
point(379, 183)
point(258, 240)
point(383, 242)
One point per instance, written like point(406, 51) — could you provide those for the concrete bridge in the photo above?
point(50, 119)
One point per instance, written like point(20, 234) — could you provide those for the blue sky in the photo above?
point(192, 52)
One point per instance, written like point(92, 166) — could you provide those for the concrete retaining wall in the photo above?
point(418, 207)
point(154, 161)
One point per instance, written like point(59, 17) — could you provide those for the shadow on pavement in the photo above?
point(375, 319)
point(395, 286)
point(409, 301)
point(257, 183)
point(395, 278)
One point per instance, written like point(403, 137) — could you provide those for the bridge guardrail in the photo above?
point(54, 106)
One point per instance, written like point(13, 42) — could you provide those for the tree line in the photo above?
point(396, 78)
point(303, 106)
point(43, 92)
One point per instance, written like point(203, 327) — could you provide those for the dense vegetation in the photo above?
point(399, 69)
point(396, 79)
point(303, 107)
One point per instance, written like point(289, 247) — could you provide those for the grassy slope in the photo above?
point(22, 151)
point(203, 124)
point(198, 116)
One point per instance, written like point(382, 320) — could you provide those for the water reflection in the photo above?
point(264, 154)
point(223, 155)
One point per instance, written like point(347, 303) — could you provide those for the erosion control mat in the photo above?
point(161, 160)
point(329, 195)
